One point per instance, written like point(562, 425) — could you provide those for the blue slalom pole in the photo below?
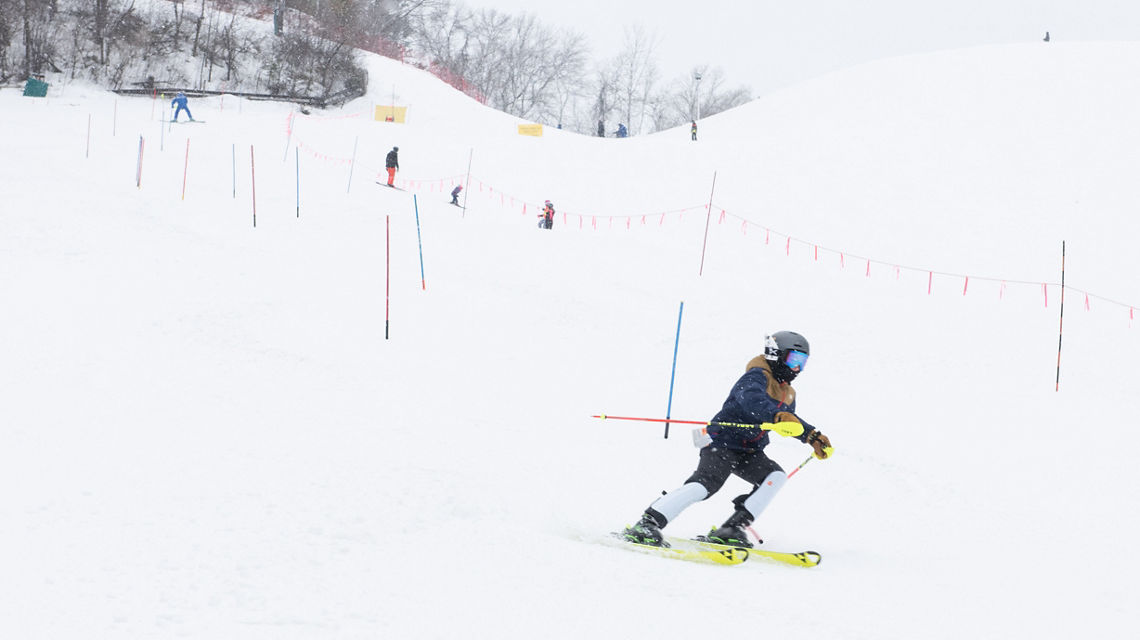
point(419, 239)
point(673, 375)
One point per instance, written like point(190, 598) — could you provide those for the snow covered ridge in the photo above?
point(1043, 283)
point(206, 435)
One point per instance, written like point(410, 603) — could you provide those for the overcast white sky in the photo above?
point(768, 44)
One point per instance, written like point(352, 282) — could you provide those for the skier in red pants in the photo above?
point(392, 163)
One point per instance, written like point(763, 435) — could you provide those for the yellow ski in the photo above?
point(688, 550)
point(801, 559)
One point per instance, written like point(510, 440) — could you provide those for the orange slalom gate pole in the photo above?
point(700, 422)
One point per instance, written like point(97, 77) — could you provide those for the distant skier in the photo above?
point(1046, 36)
point(180, 100)
point(392, 163)
point(622, 131)
point(764, 397)
point(455, 195)
point(694, 130)
point(546, 218)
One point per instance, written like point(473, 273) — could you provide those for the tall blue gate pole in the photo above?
point(419, 239)
point(673, 375)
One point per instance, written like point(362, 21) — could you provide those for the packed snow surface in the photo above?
point(369, 414)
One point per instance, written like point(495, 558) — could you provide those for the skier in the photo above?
point(455, 195)
point(392, 163)
point(181, 100)
point(622, 131)
point(762, 396)
point(546, 218)
point(694, 130)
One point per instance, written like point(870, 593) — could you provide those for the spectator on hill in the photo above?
point(694, 129)
point(622, 131)
point(546, 218)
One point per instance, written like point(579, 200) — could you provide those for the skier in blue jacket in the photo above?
point(764, 397)
point(180, 100)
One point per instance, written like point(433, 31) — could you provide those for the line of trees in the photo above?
point(513, 63)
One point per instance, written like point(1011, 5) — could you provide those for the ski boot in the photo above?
point(732, 532)
point(647, 531)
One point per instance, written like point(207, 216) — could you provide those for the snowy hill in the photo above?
point(206, 432)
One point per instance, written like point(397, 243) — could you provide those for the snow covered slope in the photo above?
point(207, 434)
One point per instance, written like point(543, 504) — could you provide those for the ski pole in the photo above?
point(783, 428)
point(802, 465)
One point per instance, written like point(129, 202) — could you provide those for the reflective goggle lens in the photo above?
point(796, 360)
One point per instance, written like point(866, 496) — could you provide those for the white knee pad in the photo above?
point(764, 493)
point(673, 503)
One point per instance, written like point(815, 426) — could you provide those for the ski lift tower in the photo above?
point(697, 77)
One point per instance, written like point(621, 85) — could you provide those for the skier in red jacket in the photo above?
point(546, 218)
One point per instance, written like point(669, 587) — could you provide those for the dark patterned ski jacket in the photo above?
point(756, 398)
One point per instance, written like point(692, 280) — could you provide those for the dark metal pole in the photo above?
point(707, 219)
point(1061, 325)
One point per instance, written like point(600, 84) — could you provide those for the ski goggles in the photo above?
point(796, 360)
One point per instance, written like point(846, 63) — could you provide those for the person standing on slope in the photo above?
point(180, 101)
point(455, 195)
point(764, 397)
point(392, 163)
point(546, 218)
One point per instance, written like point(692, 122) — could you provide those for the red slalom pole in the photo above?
point(700, 422)
point(605, 417)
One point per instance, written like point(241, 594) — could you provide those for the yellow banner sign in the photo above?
point(530, 130)
point(389, 113)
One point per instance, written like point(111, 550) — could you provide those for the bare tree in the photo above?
point(635, 75)
point(605, 97)
point(8, 11)
point(515, 62)
point(39, 46)
point(709, 92)
point(442, 34)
